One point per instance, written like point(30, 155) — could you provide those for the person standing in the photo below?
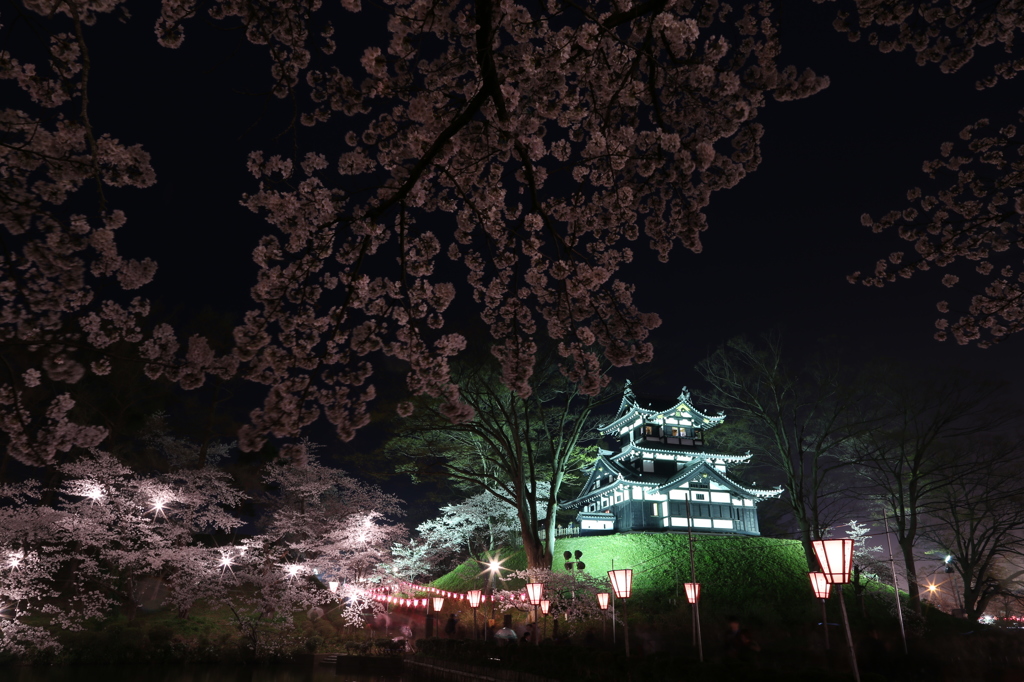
point(449, 627)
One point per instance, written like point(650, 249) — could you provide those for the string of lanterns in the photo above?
point(384, 594)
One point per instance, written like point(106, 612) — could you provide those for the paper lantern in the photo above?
point(622, 582)
point(835, 558)
point(820, 586)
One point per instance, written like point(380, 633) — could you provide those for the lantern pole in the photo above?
point(895, 585)
point(817, 581)
point(849, 637)
point(695, 612)
point(622, 587)
point(535, 592)
point(838, 576)
point(824, 622)
point(613, 606)
point(603, 605)
point(474, 603)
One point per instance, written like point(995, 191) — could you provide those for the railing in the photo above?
point(571, 530)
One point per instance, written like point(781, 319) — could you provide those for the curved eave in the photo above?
point(759, 493)
point(634, 447)
point(597, 492)
point(612, 427)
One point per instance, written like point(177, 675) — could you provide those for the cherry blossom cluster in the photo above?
point(976, 216)
point(58, 234)
point(943, 32)
point(523, 148)
point(531, 145)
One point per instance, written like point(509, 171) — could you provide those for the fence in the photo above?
point(570, 531)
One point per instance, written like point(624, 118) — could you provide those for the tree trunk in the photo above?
point(537, 554)
point(805, 539)
point(549, 538)
point(912, 588)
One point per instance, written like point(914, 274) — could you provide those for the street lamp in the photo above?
point(474, 603)
point(333, 586)
point(693, 597)
point(545, 608)
point(835, 557)
point(437, 603)
point(821, 588)
point(535, 591)
point(622, 586)
point(692, 592)
point(603, 598)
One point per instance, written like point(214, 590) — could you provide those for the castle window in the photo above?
point(654, 509)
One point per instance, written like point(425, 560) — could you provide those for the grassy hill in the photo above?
point(763, 581)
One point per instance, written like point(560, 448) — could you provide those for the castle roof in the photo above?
point(633, 407)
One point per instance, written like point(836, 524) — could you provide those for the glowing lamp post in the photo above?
point(333, 586)
point(535, 592)
point(436, 603)
point(474, 597)
point(835, 557)
point(821, 588)
point(622, 586)
point(603, 600)
point(693, 597)
point(545, 608)
point(692, 592)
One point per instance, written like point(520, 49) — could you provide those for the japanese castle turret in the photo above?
point(663, 477)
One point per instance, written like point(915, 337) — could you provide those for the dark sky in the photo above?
point(778, 249)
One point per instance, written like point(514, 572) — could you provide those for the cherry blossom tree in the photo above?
point(80, 551)
point(482, 521)
point(263, 590)
point(970, 210)
point(328, 521)
point(126, 526)
point(531, 145)
point(573, 595)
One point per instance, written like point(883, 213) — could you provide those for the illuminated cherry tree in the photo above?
point(530, 146)
point(82, 553)
point(329, 521)
point(85, 549)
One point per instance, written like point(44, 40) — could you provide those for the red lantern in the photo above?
point(438, 603)
point(692, 592)
point(474, 598)
point(835, 558)
point(535, 592)
point(622, 582)
point(820, 586)
point(545, 606)
point(602, 600)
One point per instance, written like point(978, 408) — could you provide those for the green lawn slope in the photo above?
point(762, 581)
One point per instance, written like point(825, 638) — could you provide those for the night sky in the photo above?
point(777, 253)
